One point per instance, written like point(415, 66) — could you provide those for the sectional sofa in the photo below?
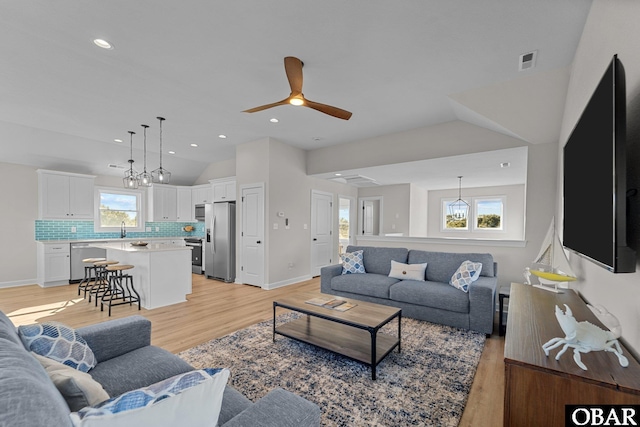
point(126, 361)
point(433, 298)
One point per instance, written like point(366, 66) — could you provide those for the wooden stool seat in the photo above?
point(119, 267)
point(105, 263)
point(92, 260)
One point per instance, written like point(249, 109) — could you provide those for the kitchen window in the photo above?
point(115, 206)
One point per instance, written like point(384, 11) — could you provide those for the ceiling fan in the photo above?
point(293, 68)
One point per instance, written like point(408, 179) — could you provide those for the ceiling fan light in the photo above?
point(296, 101)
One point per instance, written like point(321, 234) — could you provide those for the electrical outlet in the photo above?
point(157, 228)
point(275, 225)
point(291, 265)
point(305, 226)
point(73, 229)
point(148, 229)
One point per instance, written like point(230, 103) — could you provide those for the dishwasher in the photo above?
point(80, 251)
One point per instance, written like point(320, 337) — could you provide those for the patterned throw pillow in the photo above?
point(467, 273)
point(352, 262)
point(58, 342)
point(191, 399)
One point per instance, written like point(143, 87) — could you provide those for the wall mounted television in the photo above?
point(595, 178)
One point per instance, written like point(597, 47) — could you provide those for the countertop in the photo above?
point(151, 247)
point(115, 240)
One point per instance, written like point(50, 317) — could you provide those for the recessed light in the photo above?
point(316, 138)
point(338, 174)
point(194, 145)
point(274, 120)
point(117, 140)
point(505, 164)
point(172, 152)
point(221, 136)
point(103, 44)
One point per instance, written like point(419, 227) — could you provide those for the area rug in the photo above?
point(426, 384)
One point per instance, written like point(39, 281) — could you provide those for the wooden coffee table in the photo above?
point(353, 333)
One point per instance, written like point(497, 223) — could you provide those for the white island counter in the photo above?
point(161, 273)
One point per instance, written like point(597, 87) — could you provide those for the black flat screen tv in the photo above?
point(595, 178)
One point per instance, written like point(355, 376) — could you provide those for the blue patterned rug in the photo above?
point(427, 384)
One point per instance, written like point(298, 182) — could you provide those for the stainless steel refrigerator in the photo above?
point(220, 241)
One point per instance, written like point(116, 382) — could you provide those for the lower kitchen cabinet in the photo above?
point(54, 264)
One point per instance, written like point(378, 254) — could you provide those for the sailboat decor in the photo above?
point(551, 266)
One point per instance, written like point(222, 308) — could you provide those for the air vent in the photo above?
point(360, 181)
point(527, 60)
point(114, 166)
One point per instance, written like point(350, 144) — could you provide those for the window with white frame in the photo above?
point(115, 207)
point(489, 213)
point(485, 213)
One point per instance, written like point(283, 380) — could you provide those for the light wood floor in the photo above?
point(215, 309)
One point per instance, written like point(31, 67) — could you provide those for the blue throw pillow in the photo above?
point(352, 262)
point(192, 399)
point(58, 342)
point(467, 273)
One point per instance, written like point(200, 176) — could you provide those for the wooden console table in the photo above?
point(538, 387)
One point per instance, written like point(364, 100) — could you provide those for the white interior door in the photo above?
point(367, 218)
point(321, 230)
point(252, 235)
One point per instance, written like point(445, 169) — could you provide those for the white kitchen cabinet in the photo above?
point(185, 208)
point(224, 190)
point(162, 203)
point(54, 264)
point(201, 194)
point(64, 195)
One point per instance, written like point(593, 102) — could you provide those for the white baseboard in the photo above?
point(269, 286)
point(18, 283)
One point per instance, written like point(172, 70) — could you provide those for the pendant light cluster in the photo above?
point(132, 179)
point(459, 209)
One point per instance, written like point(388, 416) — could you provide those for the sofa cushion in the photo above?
point(27, 397)
point(352, 263)
point(408, 271)
point(192, 399)
point(374, 285)
point(150, 365)
point(7, 329)
point(378, 260)
point(232, 404)
point(430, 294)
point(467, 273)
point(442, 265)
point(58, 342)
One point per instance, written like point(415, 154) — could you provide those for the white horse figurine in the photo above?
point(583, 337)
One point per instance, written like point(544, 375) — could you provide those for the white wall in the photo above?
point(18, 212)
point(418, 215)
point(612, 28)
point(215, 170)
point(396, 204)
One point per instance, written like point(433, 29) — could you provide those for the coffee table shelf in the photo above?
point(353, 334)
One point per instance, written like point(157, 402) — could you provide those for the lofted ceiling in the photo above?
point(395, 65)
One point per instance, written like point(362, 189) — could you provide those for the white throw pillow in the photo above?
point(78, 388)
point(191, 399)
point(408, 271)
point(467, 273)
point(352, 262)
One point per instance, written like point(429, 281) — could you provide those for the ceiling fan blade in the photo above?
point(264, 107)
point(293, 68)
point(328, 109)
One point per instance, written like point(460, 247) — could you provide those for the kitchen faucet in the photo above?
point(123, 230)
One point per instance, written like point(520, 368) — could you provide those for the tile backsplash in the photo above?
point(61, 230)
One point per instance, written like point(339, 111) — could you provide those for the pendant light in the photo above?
point(130, 179)
point(145, 178)
point(160, 175)
point(459, 209)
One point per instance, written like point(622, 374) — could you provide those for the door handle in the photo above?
point(315, 240)
point(259, 241)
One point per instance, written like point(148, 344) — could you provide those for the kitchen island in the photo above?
point(161, 273)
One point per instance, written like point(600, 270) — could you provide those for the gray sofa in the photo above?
point(126, 361)
point(433, 300)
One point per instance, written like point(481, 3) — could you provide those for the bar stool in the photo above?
point(120, 290)
point(101, 284)
point(90, 274)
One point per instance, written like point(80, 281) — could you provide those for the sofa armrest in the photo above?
point(482, 294)
point(278, 408)
point(117, 337)
point(326, 274)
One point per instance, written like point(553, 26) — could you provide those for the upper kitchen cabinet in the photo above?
point(201, 194)
point(224, 190)
point(163, 203)
point(64, 195)
point(185, 206)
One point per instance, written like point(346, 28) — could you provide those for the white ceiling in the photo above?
point(396, 65)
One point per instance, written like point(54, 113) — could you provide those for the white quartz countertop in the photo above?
point(116, 240)
point(151, 247)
